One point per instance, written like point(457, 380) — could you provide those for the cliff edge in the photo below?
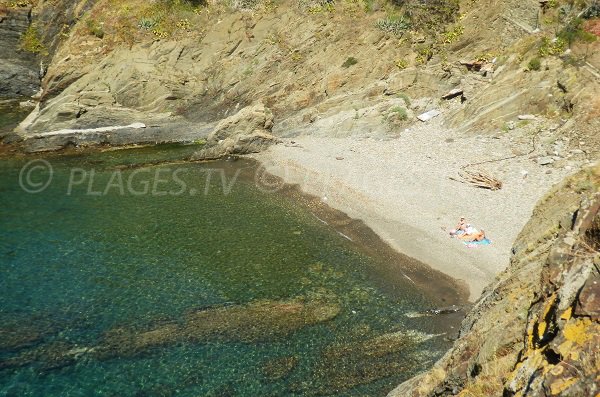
point(535, 330)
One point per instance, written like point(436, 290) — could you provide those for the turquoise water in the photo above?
point(91, 257)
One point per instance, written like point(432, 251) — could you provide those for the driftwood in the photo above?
point(479, 178)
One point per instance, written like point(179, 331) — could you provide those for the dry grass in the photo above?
point(594, 109)
point(117, 22)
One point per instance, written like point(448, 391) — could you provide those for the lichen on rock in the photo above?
point(535, 331)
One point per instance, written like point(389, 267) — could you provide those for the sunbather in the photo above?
point(475, 236)
point(460, 227)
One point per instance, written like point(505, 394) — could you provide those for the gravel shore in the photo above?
point(400, 188)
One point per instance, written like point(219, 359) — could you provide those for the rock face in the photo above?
point(19, 71)
point(535, 331)
point(247, 131)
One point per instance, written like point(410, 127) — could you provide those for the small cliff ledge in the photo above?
point(535, 331)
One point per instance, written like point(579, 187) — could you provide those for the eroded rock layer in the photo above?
point(535, 331)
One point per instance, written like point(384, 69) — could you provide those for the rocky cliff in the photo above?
point(19, 69)
point(536, 329)
point(192, 64)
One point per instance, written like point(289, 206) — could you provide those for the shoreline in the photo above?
point(396, 267)
point(385, 193)
point(400, 189)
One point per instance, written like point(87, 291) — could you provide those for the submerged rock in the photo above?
point(279, 368)
point(253, 322)
point(345, 366)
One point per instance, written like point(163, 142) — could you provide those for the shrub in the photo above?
point(424, 54)
point(555, 46)
point(534, 64)
point(405, 98)
point(394, 25)
point(95, 28)
point(432, 15)
point(401, 64)
point(593, 11)
point(574, 31)
point(349, 62)
point(452, 35)
point(31, 41)
point(399, 112)
point(147, 23)
point(245, 4)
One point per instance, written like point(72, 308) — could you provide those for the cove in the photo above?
point(128, 276)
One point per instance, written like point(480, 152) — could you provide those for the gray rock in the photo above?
point(19, 70)
point(546, 160)
point(526, 117)
point(247, 131)
point(453, 93)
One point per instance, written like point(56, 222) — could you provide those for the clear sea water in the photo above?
point(109, 256)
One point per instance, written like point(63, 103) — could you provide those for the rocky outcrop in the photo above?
point(535, 331)
point(247, 131)
point(19, 70)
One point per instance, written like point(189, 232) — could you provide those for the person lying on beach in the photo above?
point(460, 227)
point(475, 236)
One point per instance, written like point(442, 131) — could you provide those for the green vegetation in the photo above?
point(399, 112)
point(405, 98)
point(31, 41)
point(164, 18)
point(574, 31)
point(393, 24)
point(453, 35)
point(95, 28)
point(147, 23)
point(433, 15)
point(401, 64)
point(349, 62)
point(319, 6)
point(425, 53)
point(555, 46)
point(534, 64)
point(19, 3)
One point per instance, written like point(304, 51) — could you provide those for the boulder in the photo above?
point(247, 131)
point(249, 120)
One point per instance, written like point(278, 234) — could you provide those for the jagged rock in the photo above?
point(247, 131)
point(535, 331)
point(18, 69)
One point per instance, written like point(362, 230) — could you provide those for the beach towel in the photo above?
point(475, 244)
